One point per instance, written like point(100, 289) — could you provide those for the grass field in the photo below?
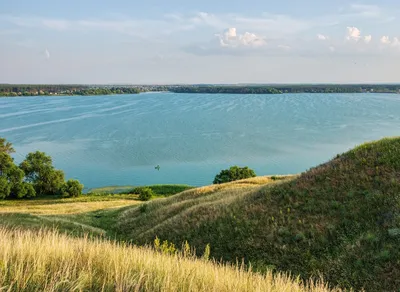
point(49, 261)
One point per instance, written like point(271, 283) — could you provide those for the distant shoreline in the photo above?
point(10, 90)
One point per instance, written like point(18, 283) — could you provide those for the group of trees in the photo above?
point(34, 176)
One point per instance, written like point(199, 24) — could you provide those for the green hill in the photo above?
point(340, 219)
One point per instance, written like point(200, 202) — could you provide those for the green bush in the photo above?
point(234, 173)
point(145, 194)
point(72, 188)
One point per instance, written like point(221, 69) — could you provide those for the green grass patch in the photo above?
point(163, 190)
point(160, 190)
point(111, 189)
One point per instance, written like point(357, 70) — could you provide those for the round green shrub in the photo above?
point(145, 194)
point(72, 188)
point(234, 173)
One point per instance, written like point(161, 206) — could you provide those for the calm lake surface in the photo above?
point(118, 140)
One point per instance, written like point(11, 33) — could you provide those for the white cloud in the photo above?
point(47, 54)
point(332, 49)
point(322, 37)
point(230, 33)
point(230, 38)
point(368, 39)
point(385, 40)
point(353, 34)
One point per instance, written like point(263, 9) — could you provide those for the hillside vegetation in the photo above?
point(340, 219)
point(49, 261)
point(95, 214)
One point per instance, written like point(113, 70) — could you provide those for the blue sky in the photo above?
point(205, 41)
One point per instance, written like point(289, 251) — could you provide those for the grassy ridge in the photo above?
point(341, 219)
point(49, 261)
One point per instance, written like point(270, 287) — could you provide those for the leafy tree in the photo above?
point(39, 170)
point(72, 188)
point(36, 164)
point(15, 175)
point(232, 174)
point(5, 146)
point(5, 188)
point(19, 188)
point(11, 176)
point(23, 190)
point(6, 163)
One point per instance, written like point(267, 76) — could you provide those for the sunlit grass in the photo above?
point(53, 208)
point(50, 261)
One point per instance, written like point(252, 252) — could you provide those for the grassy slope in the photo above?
point(340, 219)
point(48, 261)
point(94, 215)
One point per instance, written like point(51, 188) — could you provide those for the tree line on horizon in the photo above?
point(46, 90)
point(10, 90)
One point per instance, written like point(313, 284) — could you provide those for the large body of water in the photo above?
point(118, 140)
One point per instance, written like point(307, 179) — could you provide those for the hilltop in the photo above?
point(340, 219)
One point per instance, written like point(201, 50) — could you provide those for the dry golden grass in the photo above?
point(26, 207)
point(49, 261)
point(249, 182)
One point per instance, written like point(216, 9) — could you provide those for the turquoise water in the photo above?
point(118, 140)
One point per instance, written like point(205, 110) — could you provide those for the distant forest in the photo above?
point(37, 89)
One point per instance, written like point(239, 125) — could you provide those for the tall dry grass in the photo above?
point(50, 261)
point(60, 208)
